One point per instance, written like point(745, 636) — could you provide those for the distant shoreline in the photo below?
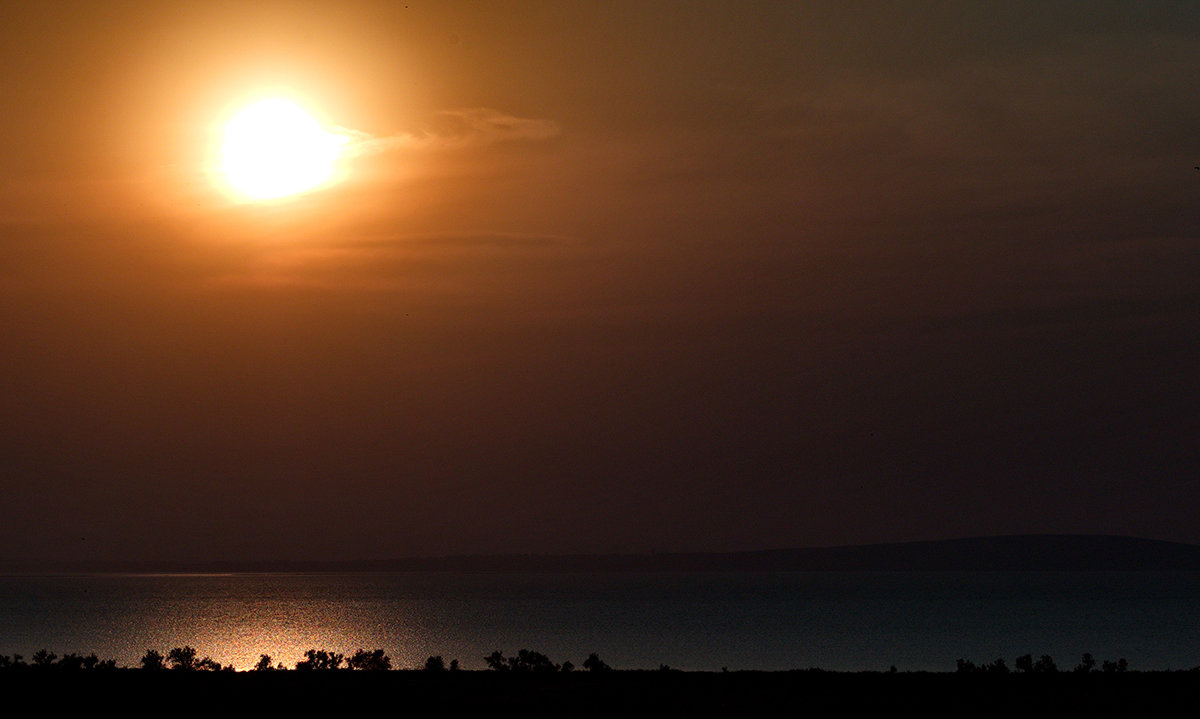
point(1011, 553)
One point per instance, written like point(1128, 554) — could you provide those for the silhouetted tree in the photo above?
point(595, 664)
point(435, 664)
point(965, 666)
point(453, 665)
point(152, 660)
point(531, 661)
point(1024, 663)
point(264, 664)
point(495, 661)
point(1045, 665)
point(1111, 667)
point(104, 665)
point(319, 660)
point(71, 662)
point(43, 659)
point(1086, 664)
point(375, 661)
point(996, 667)
point(182, 659)
point(567, 666)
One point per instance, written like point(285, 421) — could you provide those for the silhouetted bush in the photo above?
point(525, 661)
point(208, 664)
point(264, 664)
point(435, 664)
point(964, 666)
point(374, 661)
point(183, 659)
point(453, 665)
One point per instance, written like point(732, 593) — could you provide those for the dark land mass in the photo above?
point(1014, 553)
point(615, 694)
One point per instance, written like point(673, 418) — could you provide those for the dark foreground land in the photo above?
point(610, 694)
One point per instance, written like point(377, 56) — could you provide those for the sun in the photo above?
point(273, 148)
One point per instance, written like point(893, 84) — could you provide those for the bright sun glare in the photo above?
point(273, 149)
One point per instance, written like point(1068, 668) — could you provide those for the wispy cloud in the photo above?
point(453, 129)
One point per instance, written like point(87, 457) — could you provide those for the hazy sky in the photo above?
point(601, 277)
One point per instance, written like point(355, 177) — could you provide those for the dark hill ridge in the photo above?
point(1029, 552)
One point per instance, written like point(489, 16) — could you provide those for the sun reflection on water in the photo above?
point(240, 621)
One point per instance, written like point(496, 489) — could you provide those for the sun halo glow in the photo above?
point(273, 148)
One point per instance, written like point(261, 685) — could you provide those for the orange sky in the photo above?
point(674, 275)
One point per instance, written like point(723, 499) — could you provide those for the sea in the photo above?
point(699, 621)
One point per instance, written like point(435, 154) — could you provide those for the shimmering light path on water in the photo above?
point(844, 621)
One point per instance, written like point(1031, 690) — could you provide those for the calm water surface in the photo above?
point(699, 621)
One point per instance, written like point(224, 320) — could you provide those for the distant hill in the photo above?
point(1029, 552)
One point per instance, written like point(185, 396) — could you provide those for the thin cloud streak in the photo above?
point(455, 129)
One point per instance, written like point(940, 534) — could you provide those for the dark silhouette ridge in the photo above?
point(1022, 552)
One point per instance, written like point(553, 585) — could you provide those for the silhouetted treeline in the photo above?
point(187, 659)
point(1042, 665)
point(526, 661)
point(44, 659)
